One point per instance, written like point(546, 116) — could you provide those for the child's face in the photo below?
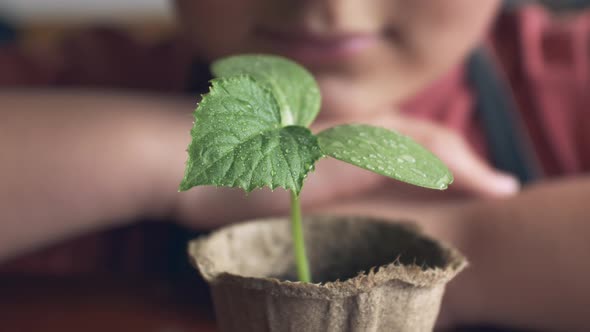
point(367, 55)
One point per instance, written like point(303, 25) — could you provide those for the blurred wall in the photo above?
point(553, 4)
point(84, 10)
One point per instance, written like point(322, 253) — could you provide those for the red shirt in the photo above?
point(545, 60)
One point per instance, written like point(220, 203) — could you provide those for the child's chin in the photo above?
point(347, 101)
point(343, 103)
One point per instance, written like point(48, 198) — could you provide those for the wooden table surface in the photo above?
point(85, 304)
point(106, 304)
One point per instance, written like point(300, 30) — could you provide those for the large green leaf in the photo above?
point(294, 87)
point(387, 153)
point(239, 141)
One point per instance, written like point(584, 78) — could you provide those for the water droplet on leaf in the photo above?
point(408, 158)
point(442, 183)
point(418, 172)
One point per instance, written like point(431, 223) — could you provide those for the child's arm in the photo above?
point(73, 162)
point(528, 253)
point(530, 257)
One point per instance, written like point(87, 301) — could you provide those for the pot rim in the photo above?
point(409, 275)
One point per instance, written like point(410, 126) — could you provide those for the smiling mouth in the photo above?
point(312, 48)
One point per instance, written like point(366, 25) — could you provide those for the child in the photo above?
point(476, 88)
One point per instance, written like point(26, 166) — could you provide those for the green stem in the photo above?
point(298, 241)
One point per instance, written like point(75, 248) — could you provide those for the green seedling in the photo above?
point(251, 131)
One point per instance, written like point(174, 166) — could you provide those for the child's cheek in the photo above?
point(439, 34)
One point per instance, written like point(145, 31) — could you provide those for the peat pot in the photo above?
point(368, 275)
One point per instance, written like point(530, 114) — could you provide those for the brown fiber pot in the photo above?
point(369, 274)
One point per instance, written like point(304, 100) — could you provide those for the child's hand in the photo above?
point(332, 181)
point(335, 181)
point(472, 174)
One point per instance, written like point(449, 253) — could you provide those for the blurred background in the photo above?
point(76, 11)
point(84, 11)
point(38, 23)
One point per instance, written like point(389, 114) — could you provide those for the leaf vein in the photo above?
point(289, 166)
point(230, 151)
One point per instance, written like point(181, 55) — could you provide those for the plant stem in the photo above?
point(298, 241)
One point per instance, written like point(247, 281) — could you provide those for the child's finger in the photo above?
point(471, 173)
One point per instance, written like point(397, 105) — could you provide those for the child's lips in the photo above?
point(313, 48)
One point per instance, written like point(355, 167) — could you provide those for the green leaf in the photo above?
point(293, 87)
point(238, 140)
point(387, 153)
